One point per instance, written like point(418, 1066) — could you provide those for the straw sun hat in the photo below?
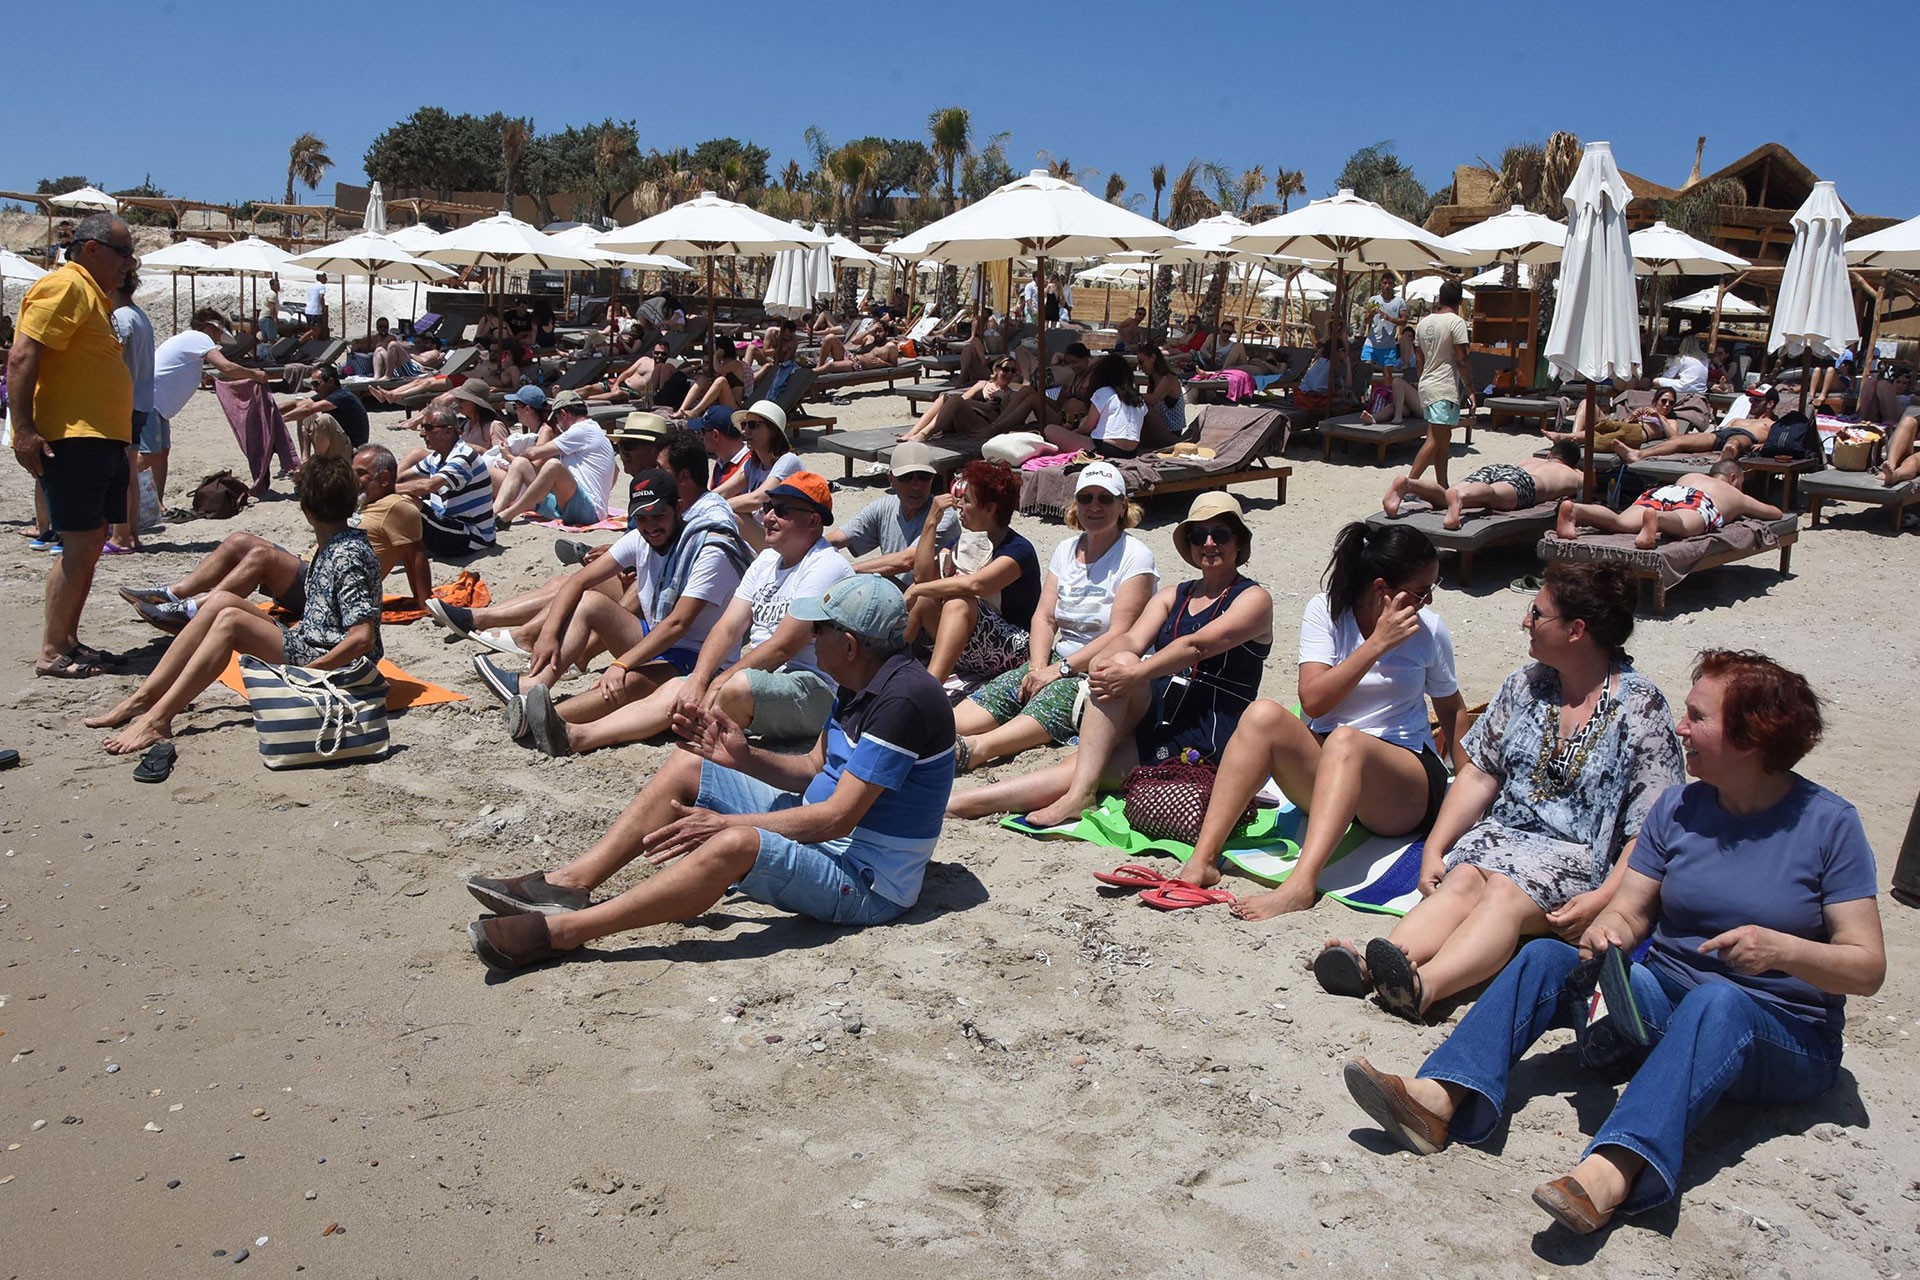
point(1206, 507)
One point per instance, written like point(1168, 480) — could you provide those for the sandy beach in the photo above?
point(244, 1007)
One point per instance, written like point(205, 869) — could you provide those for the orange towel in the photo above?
point(403, 691)
point(467, 591)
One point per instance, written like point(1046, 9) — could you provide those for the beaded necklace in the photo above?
point(1562, 759)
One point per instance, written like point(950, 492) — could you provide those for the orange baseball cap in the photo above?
point(805, 486)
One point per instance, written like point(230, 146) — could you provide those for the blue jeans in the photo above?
point(1710, 1041)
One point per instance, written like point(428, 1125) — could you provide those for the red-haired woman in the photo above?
point(976, 602)
point(1756, 889)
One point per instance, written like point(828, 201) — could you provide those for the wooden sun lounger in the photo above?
point(924, 393)
point(862, 446)
point(830, 382)
point(1740, 540)
point(1478, 529)
point(1539, 408)
point(1348, 429)
point(1859, 486)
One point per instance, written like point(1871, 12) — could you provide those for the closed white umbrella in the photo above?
point(819, 262)
point(91, 199)
point(1517, 234)
point(710, 227)
point(375, 218)
point(1661, 250)
point(1813, 314)
point(372, 256)
point(1703, 303)
point(1596, 322)
point(787, 285)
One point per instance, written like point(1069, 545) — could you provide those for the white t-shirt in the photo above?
point(1383, 334)
point(1119, 421)
point(770, 589)
point(177, 367)
point(1086, 591)
point(316, 299)
point(712, 578)
point(588, 457)
point(1388, 701)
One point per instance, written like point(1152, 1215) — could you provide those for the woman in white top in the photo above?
point(770, 459)
point(1095, 589)
point(1371, 656)
point(1118, 414)
point(1688, 372)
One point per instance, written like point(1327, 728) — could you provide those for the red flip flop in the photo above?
point(1133, 875)
point(1178, 896)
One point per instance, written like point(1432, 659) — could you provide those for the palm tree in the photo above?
point(307, 162)
point(951, 132)
point(853, 169)
point(1158, 176)
point(1116, 187)
point(1288, 183)
point(1235, 198)
point(514, 136)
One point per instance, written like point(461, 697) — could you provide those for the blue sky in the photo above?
point(207, 103)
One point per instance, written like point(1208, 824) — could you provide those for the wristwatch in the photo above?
point(1066, 668)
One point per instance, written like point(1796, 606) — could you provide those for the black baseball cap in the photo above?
point(653, 491)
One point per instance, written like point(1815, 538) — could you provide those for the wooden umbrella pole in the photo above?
point(712, 310)
point(369, 304)
point(176, 302)
point(1586, 475)
point(1873, 329)
point(1040, 328)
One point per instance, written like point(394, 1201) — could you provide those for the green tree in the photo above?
point(1235, 197)
point(60, 186)
point(1375, 173)
point(433, 151)
point(138, 217)
point(743, 164)
point(1288, 183)
point(951, 131)
point(1158, 176)
point(984, 171)
point(307, 163)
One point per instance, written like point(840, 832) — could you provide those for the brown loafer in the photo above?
point(1385, 1098)
point(1567, 1201)
point(517, 895)
point(507, 943)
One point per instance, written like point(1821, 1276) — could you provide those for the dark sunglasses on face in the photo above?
point(128, 254)
point(779, 509)
point(1218, 534)
point(1094, 497)
point(1535, 617)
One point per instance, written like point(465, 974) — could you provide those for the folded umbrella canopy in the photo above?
point(1596, 322)
point(1814, 312)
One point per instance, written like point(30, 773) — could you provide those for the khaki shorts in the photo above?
point(322, 436)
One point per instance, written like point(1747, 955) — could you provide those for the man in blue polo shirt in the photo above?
point(841, 834)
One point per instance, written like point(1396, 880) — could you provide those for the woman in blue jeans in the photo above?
point(1755, 888)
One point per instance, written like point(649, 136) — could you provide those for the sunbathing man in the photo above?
point(1698, 504)
point(873, 350)
point(653, 378)
point(970, 412)
point(1732, 439)
point(842, 834)
point(244, 563)
point(1498, 486)
point(1128, 332)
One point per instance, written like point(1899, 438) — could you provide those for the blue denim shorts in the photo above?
point(578, 510)
point(155, 434)
point(820, 881)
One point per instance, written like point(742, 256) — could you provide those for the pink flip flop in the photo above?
point(1178, 896)
point(1133, 875)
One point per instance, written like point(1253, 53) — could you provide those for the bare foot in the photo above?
point(968, 804)
point(1564, 524)
point(138, 736)
point(1649, 536)
point(1396, 494)
point(1274, 902)
point(1067, 808)
point(1195, 872)
point(1452, 519)
point(121, 714)
point(1885, 473)
point(1626, 451)
point(1366, 416)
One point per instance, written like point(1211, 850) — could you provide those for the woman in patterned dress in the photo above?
point(1560, 773)
point(339, 620)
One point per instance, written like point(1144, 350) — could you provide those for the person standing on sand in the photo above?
point(72, 403)
point(177, 368)
point(1445, 383)
point(316, 311)
point(135, 331)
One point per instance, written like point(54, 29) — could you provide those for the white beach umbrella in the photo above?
point(1596, 322)
point(1301, 284)
point(787, 285)
point(1497, 277)
point(841, 249)
point(252, 257)
point(90, 199)
point(1343, 228)
point(1661, 250)
point(375, 218)
point(710, 227)
point(1517, 234)
point(414, 237)
point(1425, 289)
point(372, 256)
point(583, 242)
point(503, 241)
point(15, 267)
point(1896, 247)
point(1814, 310)
point(189, 258)
point(1704, 302)
point(1208, 240)
point(820, 280)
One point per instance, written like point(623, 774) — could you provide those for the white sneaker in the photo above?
point(500, 640)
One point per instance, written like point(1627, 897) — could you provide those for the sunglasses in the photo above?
point(1424, 597)
point(1095, 497)
point(1217, 534)
point(826, 628)
point(127, 253)
point(1535, 617)
point(781, 510)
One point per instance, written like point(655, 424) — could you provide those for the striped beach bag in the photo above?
point(308, 717)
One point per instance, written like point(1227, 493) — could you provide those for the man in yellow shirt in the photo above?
point(72, 400)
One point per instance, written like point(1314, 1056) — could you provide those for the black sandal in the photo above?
point(1340, 972)
point(1396, 983)
point(157, 764)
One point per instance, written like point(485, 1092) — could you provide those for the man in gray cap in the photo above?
point(567, 477)
point(891, 525)
point(842, 834)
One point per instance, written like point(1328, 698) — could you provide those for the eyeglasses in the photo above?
point(781, 510)
point(1095, 497)
point(1218, 534)
point(826, 628)
point(1535, 617)
point(1425, 597)
point(128, 253)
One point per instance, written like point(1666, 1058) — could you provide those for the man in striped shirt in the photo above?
point(842, 834)
point(453, 489)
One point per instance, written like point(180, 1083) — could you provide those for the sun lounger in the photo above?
point(1673, 561)
point(582, 371)
point(1348, 429)
point(1500, 409)
point(1242, 439)
point(1858, 486)
point(867, 445)
point(923, 393)
point(1478, 529)
point(457, 362)
point(890, 375)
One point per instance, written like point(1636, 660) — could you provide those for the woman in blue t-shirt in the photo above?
point(1754, 889)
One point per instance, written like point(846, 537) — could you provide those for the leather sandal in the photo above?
point(1571, 1207)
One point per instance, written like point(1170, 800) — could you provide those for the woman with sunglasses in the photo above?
point(1116, 414)
point(971, 412)
point(1372, 655)
point(1558, 776)
point(1175, 684)
point(1631, 427)
point(1166, 395)
point(1095, 589)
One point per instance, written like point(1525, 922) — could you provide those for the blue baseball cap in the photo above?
point(532, 397)
point(867, 604)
